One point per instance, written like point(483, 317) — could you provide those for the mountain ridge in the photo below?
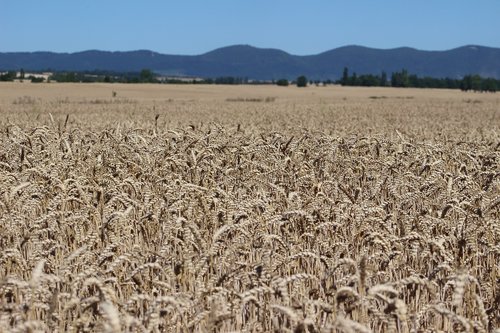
point(243, 60)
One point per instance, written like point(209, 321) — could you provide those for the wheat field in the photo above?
point(164, 208)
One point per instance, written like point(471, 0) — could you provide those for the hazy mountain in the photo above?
point(258, 63)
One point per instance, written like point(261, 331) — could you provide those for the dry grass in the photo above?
point(169, 209)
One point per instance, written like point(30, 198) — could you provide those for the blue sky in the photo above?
point(198, 26)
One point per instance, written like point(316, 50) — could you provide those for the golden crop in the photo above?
point(248, 209)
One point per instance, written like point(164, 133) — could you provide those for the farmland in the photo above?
point(185, 208)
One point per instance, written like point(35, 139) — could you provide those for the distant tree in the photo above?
point(9, 76)
point(465, 85)
point(21, 74)
point(228, 80)
point(369, 80)
point(383, 79)
point(451, 83)
point(282, 82)
point(353, 81)
point(404, 79)
point(489, 85)
point(36, 79)
point(413, 81)
point(66, 77)
point(302, 81)
point(345, 77)
point(476, 83)
point(400, 79)
point(146, 76)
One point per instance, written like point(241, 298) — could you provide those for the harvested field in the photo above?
point(163, 208)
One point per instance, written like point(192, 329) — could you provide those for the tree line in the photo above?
point(13, 75)
point(145, 76)
point(405, 80)
point(396, 79)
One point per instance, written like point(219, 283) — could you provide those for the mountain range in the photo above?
point(267, 64)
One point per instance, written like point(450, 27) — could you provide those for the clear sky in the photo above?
point(197, 26)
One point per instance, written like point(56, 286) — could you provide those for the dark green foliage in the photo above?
point(35, 79)
point(282, 82)
point(144, 76)
point(68, 77)
point(404, 79)
point(147, 76)
point(490, 85)
point(477, 83)
point(102, 76)
point(368, 80)
point(301, 81)
point(400, 79)
point(383, 79)
point(9, 76)
point(345, 77)
point(229, 80)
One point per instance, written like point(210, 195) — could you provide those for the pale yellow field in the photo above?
point(181, 208)
point(331, 109)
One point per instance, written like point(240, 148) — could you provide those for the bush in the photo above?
point(35, 79)
point(301, 81)
point(9, 76)
point(282, 82)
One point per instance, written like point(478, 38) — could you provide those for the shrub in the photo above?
point(282, 82)
point(301, 81)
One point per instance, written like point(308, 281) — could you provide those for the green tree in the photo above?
point(35, 79)
point(69, 77)
point(413, 81)
point(302, 81)
point(282, 82)
point(146, 76)
point(400, 79)
point(465, 85)
point(9, 76)
point(369, 80)
point(345, 77)
point(476, 83)
point(353, 81)
point(383, 79)
point(489, 85)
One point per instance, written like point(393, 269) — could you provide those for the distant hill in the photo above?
point(267, 64)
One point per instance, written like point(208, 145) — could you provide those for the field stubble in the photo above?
point(203, 209)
